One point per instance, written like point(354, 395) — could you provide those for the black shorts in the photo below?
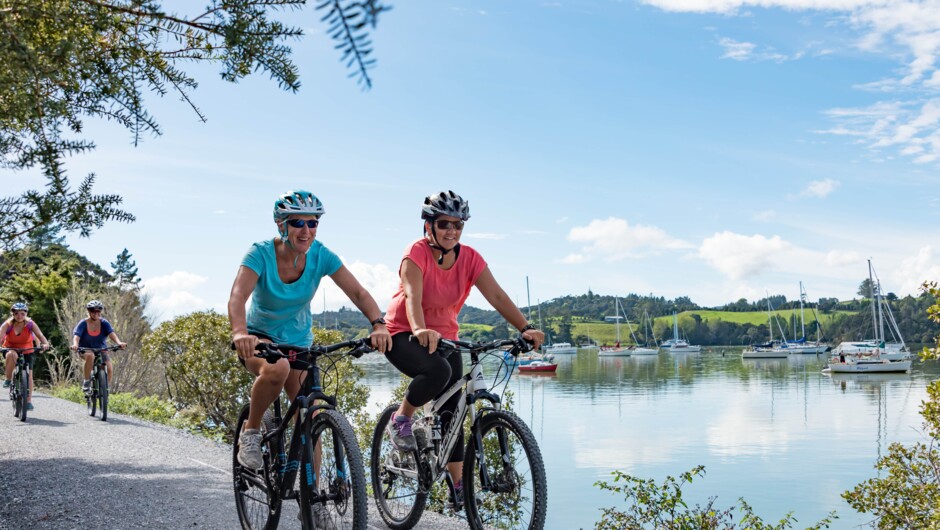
point(105, 356)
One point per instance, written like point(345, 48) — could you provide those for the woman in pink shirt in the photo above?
point(437, 273)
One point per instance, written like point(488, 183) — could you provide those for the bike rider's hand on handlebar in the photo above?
point(245, 344)
point(427, 338)
point(536, 337)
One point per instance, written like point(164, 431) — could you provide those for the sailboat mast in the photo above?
point(802, 316)
point(874, 315)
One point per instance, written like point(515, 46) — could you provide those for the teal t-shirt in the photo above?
point(282, 310)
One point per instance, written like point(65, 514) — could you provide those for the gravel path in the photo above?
point(65, 470)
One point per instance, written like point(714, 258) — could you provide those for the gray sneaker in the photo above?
point(399, 429)
point(321, 518)
point(249, 449)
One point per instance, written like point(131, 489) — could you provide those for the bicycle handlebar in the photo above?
point(519, 345)
point(82, 349)
point(271, 352)
point(26, 351)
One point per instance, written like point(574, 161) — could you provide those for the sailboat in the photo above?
point(771, 349)
point(647, 349)
point(801, 345)
point(675, 344)
point(618, 350)
point(873, 355)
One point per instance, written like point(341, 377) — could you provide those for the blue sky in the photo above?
point(712, 148)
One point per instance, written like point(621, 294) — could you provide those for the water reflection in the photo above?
point(776, 431)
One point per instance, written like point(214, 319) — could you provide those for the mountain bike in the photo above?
point(331, 490)
point(504, 483)
point(19, 386)
point(97, 393)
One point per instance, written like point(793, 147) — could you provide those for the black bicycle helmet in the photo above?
point(445, 203)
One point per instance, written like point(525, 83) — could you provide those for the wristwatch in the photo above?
point(527, 327)
point(379, 320)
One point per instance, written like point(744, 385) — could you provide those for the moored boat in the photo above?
point(538, 366)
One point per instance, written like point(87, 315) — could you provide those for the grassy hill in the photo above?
point(602, 332)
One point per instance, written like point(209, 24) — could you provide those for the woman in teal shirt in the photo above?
point(282, 276)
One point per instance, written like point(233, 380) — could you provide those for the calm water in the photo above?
point(777, 432)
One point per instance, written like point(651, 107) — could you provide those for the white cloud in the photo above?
point(738, 51)
point(821, 188)
point(915, 270)
point(616, 239)
point(574, 259)
point(839, 258)
point(172, 295)
point(379, 280)
point(903, 30)
point(765, 215)
point(739, 256)
point(748, 51)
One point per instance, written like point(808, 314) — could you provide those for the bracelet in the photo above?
point(527, 327)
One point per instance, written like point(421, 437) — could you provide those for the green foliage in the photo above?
point(907, 492)
point(125, 271)
point(64, 61)
point(651, 505)
point(41, 277)
point(203, 373)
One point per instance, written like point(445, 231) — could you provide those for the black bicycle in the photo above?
point(331, 490)
point(504, 483)
point(19, 386)
point(97, 393)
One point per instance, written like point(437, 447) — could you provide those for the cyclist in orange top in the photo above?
point(21, 332)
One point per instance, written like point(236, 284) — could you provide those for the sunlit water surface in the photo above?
point(777, 432)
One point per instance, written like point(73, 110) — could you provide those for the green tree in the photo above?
point(651, 505)
point(908, 493)
point(203, 375)
point(564, 329)
point(866, 288)
point(64, 61)
point(125, 271)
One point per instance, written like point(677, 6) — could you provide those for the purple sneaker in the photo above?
point(399, 429)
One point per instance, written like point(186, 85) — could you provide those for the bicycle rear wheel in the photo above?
point(333, 482)
point(103, 393)
point(514, 496)
point(24, 393)
point(258, 506)
point(395, 483)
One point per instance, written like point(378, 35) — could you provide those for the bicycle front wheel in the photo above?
point(14, 395)
point(103, 393)
point(24, 393)
point(91, 397)
point(395, 478)
point(333, 481)
point(257, 504)
point(504, 484)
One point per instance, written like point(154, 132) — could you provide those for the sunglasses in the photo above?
point(94, 310)
point(441, 224)
point(299, 223)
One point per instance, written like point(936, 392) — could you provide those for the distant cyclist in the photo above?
point(281, 276)
point(20, 332)
point(437, 273)
point(93, 332)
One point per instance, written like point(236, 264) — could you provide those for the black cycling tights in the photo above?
point(431, 375)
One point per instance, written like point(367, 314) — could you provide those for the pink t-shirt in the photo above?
point(444, 293)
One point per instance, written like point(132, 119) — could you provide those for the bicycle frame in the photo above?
point(474, 388)
point(289, 463)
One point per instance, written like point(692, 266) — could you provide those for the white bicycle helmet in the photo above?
point(94, 304)
point(297, 202)
point(19, 306)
